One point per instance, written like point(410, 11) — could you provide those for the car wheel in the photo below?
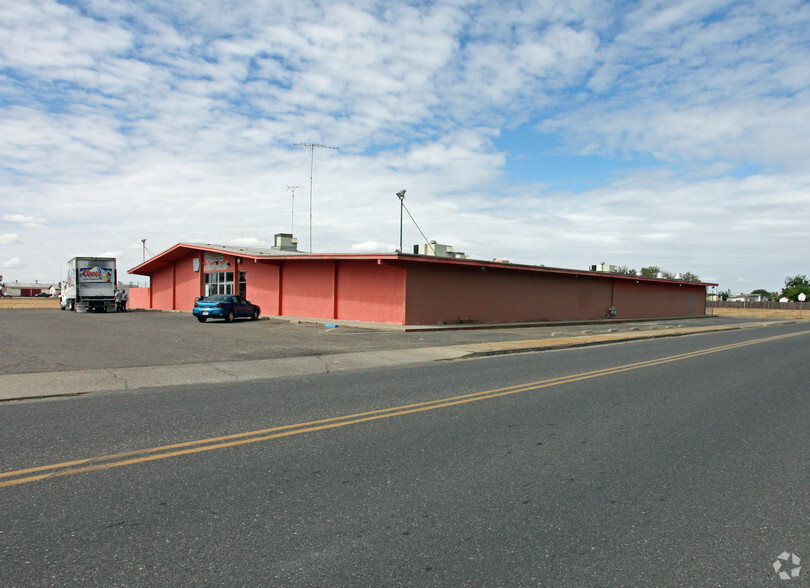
point(229, 317)
point(255, 315)
point(202, 319)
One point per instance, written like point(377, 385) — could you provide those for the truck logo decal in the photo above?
point(96, 274)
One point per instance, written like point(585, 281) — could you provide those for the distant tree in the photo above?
point(627, 271)
point(765, 294)
point(724, 294)
point(796, 285)
point(650, 271)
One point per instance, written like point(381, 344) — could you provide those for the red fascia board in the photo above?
point(180, 251)
point(496, 265)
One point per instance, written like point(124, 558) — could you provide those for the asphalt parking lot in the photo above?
point(44, 340)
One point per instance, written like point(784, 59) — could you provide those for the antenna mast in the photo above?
point(292, 207)
point(311, 147)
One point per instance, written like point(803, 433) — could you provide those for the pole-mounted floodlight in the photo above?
point(401, 196)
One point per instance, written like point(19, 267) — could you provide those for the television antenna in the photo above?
point(292, 207)
point(311, 147)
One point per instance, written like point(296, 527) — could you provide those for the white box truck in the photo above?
point(90, 284)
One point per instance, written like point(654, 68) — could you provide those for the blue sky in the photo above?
point(670, 133)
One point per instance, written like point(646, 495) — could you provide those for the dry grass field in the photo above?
point(29, 303)
point(762, 313)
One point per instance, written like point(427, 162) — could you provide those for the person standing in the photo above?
point(118, 299)
point(124, 298)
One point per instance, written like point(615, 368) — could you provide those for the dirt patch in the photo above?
point(29, 303)
point(762, 313)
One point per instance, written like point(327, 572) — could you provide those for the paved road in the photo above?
point(663, 462)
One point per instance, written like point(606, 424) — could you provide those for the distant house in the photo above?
point(748, 298)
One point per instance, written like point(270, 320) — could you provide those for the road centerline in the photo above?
point(75, 467)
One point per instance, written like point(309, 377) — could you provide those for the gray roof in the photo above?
point(236, 249)
point(31, 285)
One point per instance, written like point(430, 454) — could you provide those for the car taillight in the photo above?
point(221, 305)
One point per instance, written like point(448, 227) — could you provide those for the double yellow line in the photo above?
point(116, 460)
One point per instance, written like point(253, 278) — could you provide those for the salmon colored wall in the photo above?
point(368, 291)
point(307, 289)
point(139, 298)
point(262, 285)
point(162, 282)
point(188, 283)
point(651, 299)
point(175, 286)
point(459, 294)
point(462, 294)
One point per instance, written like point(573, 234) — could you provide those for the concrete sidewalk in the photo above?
point(67, 383)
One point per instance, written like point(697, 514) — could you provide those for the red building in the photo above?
point(404, 289)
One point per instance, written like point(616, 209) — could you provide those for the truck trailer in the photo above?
point(90, 284)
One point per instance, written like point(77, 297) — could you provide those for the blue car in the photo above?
point(224, 306)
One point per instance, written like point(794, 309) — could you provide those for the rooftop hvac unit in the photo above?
point(285, 242)
point(605, 267)
point(438, 250)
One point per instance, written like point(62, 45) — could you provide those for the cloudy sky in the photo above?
point(673, 133)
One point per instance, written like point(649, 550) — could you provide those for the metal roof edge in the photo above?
point(275, 254)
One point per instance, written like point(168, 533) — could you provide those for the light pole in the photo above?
point(401, 196)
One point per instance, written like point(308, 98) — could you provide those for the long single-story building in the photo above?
point(404, 289)
point(28, 289)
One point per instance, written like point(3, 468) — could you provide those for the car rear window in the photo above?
point(216, 298)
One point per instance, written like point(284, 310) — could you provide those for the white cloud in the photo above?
point(690, 90)
point(10, 239)
point(26, 221)
point(12, 263)
point(372, 247)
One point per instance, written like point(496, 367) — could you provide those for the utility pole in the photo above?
point(311, 147)
point(292, 207)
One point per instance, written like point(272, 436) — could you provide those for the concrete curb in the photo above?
point(16, 387)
